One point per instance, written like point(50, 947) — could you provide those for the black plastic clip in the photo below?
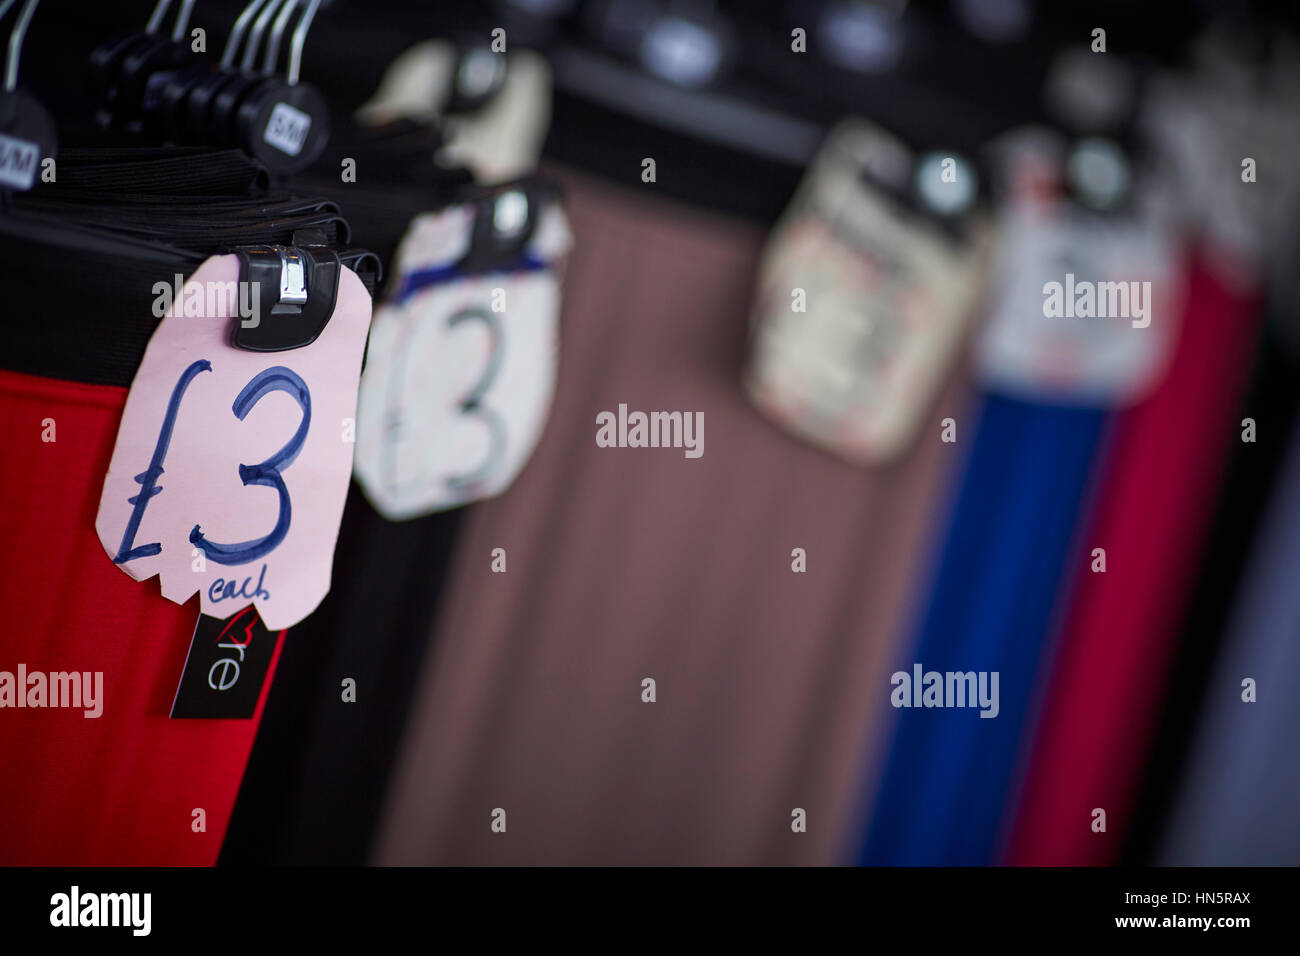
point(505, 219)
point(295, 288)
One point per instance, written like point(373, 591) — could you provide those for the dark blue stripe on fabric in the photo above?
point(413, 282)
point(989, 608)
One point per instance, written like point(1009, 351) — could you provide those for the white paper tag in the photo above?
point(502, 140)
point(1084, 307)
point(1230, 138)
point(19, 160)
point(287, 129)
point(231, 467)
point(460, 370)
point(862, 305)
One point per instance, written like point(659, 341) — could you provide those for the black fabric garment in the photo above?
point(58, 336)
point(1273, 402)
point(319, 769)
point(320, 766)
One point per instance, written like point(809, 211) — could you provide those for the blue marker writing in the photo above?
point(223, 590)
point(274, 379)
point(151, 474)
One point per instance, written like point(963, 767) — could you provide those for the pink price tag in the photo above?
point(231, 467)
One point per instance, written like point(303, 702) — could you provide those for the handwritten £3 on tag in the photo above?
point(460, 371)
point(231, 467)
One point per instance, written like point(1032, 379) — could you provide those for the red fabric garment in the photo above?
point(1153, 510)
point(119, 789)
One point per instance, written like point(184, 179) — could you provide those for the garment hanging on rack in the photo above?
point(1241, 93)
point(118, 789)
point(1238, 802)
point(121, 788)
point(1009, 544)
point(321, 764)
point(1251, 481)
point(532, 698)
point(1153, 511)
point(987, 616)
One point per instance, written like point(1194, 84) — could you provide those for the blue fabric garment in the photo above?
point(989, 608)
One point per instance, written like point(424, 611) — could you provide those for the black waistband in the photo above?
point(79, 315)
point(79, 258)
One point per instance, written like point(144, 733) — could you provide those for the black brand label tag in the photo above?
point(226, 667)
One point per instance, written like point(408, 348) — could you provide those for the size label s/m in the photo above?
point(287, 129)
point(19, 160)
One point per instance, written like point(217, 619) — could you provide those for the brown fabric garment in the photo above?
point(626, 563)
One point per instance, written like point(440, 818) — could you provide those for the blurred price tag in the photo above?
point(863, 299)
point(460, 370)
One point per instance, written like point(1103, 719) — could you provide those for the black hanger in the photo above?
point(155, 85)
point(27, 133)
point(281, 122)
point(121, 66)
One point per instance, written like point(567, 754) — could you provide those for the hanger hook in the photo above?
point(156, 18)
point(237, 33)
point(300, 40)
point(16, 37)
point(277, 35)
point(255, 38)
point(182, 17)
